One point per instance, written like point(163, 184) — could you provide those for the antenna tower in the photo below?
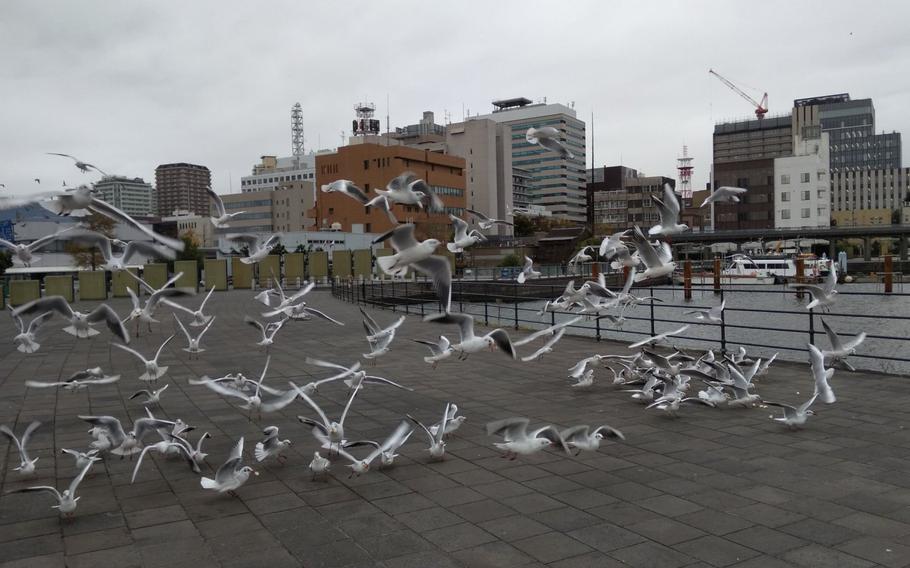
point(297, 130)
point(684, 166)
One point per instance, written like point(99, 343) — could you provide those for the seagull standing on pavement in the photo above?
point(272, 445)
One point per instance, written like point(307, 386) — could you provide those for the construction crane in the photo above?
point(761, 108)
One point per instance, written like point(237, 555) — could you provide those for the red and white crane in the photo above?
point(761, 108)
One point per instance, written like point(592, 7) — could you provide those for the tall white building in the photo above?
point(556, 184)
point(131, 195)
point(802, 186)
point(273, 172)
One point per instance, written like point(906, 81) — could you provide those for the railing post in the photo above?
point(653, 333)
point(363, 290)
point(717, 272)
point(552, 318)
point(812, 326)
point(486, 315)
point(515, 303)
point(687, 280)
point(889, 273)
point(723, 326)
point(597, 325)
point(800, 276)
point(407, 299)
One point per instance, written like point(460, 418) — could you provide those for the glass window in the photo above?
point(784, 179)
point(785, 214)
point(804, 177)
point(806, 195)
point(805, 213)
point(785, 196)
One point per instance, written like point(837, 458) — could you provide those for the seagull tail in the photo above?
point(387, 264)
point(208, 483)
point(259, 452)
point(521, 278)
point(453, 247)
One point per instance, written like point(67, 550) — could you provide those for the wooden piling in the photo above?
point(717, 269)
point(800, 275)
point(687, 280)
point(889, 273)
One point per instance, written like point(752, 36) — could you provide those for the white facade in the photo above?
point(273, 173)
point(132, 195)
point(200, 227)
point(802, 190)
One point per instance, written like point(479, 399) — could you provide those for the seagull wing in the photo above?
point(132, 351)
point(189, 338)
point(41, 305)
point(440, 271)
point(402, 237)
point(109, 210)
point(478, 214)
point(465, 323)
point(423, 426)
point(160, 349)
point(216, 200)
point(110, 318)
point(461, 227)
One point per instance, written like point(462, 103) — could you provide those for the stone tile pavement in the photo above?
point(712, 488)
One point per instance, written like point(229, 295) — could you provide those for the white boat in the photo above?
point(768, 269)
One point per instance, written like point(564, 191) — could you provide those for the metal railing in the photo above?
point(513, 304)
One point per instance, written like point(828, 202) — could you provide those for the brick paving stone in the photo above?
point(769, 541)
point(665, 531)
point(879, 550)
point(651, 555)
point(514, 528)
point(815, 555)
point(589, 560)
point(606, 537)
point(493, 555)
point(458, 537)
point(551, 547)
point(716, 551)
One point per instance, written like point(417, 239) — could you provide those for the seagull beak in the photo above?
point(256, 473)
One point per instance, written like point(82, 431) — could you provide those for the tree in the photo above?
point(279, 249)
point(524, 227)
point(190, 248)
point(91, 257)
point(511, 260)
point(6, 261)
point(301, 248)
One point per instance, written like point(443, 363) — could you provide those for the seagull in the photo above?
point(123, 443)
point(194, 456)
point(385, 451)
point(470, 343)
point(546, 347)
point(26, 339)
point(156, 297)
point(357, 378)
point(586, 254)
point(839, 350)
point(153, 372)
point(222, 217)
point(439, 350)
point(405, 189)
point(80, 323)
point(713, 394)
point(311, 387)
point(822, 295)
point(151, 396)
point(84, 167)
point(581, 438)
point(231, 475)
point(794, 417)
point(658, 260)
point(671, 399)
point(82, 458)
point(268, 331)
point(26, 464)
point(379, 338)
point(199, 318)
point(329, 433)
point(821, 375)
point(254, 400)
point(585, 380)
point(518, 441)
point(117, 262)
point(463, 238)
point(527, 271)
point(547, 137)
point(452, 423)
point(193, 347)
point(486, 223)
point(741, 385)
point(711, 314)
point(420, 257)
point(612, 244)
point(24, 253)
point(162, 447)
point(659, 337)
point(257, 249)
point(292, 306)
point(66, 501)
point(319, 465)
point(271, 446)
point(668, 208)
point(78, 381)
point(437, 447)
point(347, 187)
point(763, 368)
point(724, 194)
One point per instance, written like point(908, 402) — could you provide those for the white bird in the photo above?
point(821, 375)
point(463, 238)
point(518, 441)
point(586, 254)
point(347, 187)
point(824, 294)
point(82, 458)
point(438, 350)
point(794, 416)
point(194, 455)
point(405, 189)
point(437, 442)
point(328, 432)
point(385, 451)
point(470, 343)
point(713, 394)
point(546, 347)
point(658, 260)
point(585, 380)
point(527, 271)
point(84, 167)
point(713, 314)
point(152, 371)
point(547, 137)
point(77, 381)
point(763, 368)
point(379, 338)
point(151, 396)
point(163, 447)
point(271, 446)
point(612, 244)
point(841, 350)
point(581, 438)
point(254, 400)
point(199, 318)
point(486, 223)
point(319, 465)
point(157, 296)
point(257, 249)
point(80, 323)
point(117, 262)
point(221, 217)
point(26, 464)
point(26, 340)
point(277, 292)
point(742, 382)
point(194, 346)
point(232, 474)
point(668, 208)
point(121, 442)
point(724, 194)
point(659, 337)
point(268, 331)
point(311, 387)
point(24, 253)
point(420, 257)
point(453, 423)
point(66, 501)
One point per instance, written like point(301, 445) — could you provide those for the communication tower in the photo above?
point(297, 130)
point(365, 124)
point(684, 166)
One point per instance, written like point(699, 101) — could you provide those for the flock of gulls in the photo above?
point(655, 373)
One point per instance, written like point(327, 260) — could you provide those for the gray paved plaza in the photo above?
point(712, 488)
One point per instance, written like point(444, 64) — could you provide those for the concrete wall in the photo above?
point(92, 285)
point(341, 264)
point(293, 267)
point(215, 274)
point(269, 269)
point(23, 291)
point(190, 270)
point(59, 286)
point(318, 265)
point(120, 281)
point(363, 262)
point(241, 274)
point(155, 274)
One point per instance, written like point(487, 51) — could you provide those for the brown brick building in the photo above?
point(182, 187)
point(372, 166)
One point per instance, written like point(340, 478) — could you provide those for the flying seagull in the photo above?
point(84, 167)
point(841, 350)
point(469, 342)
point(77, 381)
point(658, 259)
point(420, 257)
point(222, 217)
point(516, 440)
point(463, 237)
point(724, 194)
point(232, 474)
point(486, 223)
point(527, 271)
point(822, 295)
point(547, 137)
point(257, 248)
point(116, 262)
point(80, 323)
point(668, 208)
point(711, 314)
point(659, 337)
point(24, 253)
point(385, 451)
point(26, 340)
point(26, 464)
point(66, 501)
point(153, 371)
point(794, 416)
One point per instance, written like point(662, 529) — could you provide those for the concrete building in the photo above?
point(182, 187)
point(373, 166)
point(622, 199)
point(802, 186)
point(486, 147)
point(869, 197)
point(558, 184)
point(132, 195)
point(521, 180)
point(744, 154)
point(273, 172)
point(272, 211)
point(199, 226)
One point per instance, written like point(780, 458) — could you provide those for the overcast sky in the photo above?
point(130, 85)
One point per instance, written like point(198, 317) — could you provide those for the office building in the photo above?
point(271, 210)
point(372, 166)
point(273, 172)
point(133, 196)
point(869, 197)
point(622, 198)
point(521, 180)
point(802, 186)
point(182, 187)
point(557, 184)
